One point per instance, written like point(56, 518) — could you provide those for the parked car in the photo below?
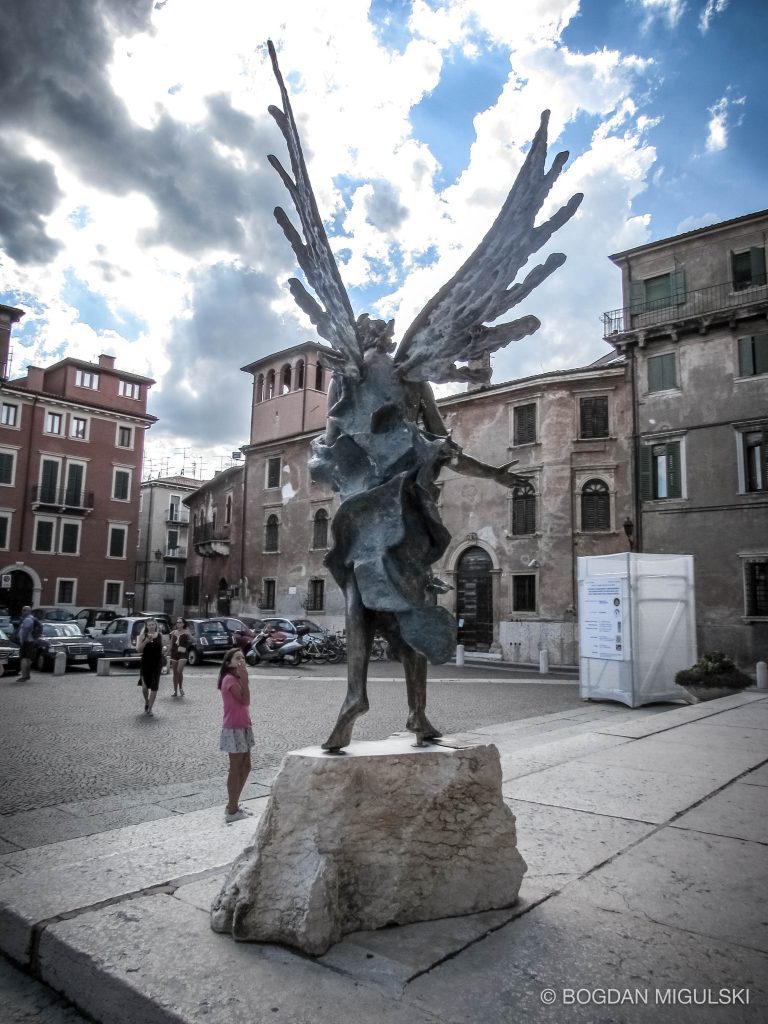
point(92, 621)
point(67, 637)
point(210, 639)
point(120, 635)
point(52, 613)
point(232, 626)
point(309, 628)
point(9, 653)
point(160, 617)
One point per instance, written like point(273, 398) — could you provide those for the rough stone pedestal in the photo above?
point(387, 833)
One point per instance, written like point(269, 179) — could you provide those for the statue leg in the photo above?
point(415, 665)
point(360, 623)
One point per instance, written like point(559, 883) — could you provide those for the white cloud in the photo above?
point(723, 115)
point(670, 10)
point(708, 12)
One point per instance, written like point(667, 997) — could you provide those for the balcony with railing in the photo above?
point(61, 499)
point(699, 307)
point(211, 539)
point(174, 514)
point(174, 552)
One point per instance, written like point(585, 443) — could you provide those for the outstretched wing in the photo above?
point(335, 322)
point(452, 324)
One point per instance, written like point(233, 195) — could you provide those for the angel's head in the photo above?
point(376, 334)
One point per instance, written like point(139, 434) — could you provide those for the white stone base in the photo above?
point(386, 833)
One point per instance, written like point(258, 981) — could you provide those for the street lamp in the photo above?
point(629, 530)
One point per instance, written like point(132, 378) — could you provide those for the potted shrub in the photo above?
point(713, 675)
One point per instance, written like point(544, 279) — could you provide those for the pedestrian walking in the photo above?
point(150, 644)
point(181, 640)
point(29, 629)
point(236, 732)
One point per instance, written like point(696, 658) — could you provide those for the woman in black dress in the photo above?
point(150, 644)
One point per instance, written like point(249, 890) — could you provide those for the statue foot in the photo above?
point(421, 725)
point(342, 731)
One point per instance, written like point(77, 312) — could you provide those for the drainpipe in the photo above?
point(638, 545)
point(30, 449)
point(147, 544)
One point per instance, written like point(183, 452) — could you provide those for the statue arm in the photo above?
point(460, 462)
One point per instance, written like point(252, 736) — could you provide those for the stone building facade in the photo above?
point(163, 543)
point(694, 330)
point(511, 562)
point(71, 449)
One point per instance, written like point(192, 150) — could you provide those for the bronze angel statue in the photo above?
point(385, 441)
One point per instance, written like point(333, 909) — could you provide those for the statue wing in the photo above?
point(452, 324)
point(335, 322)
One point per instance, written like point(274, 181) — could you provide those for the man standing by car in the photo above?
point(29, 628)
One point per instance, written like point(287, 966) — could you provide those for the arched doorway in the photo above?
point(18, 589)
point(222, 598)
point(474, 599)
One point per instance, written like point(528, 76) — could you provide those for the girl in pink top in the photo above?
point(236, 733)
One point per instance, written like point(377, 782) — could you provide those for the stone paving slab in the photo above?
point(567, 943)
point(25, 1000)
point(708, 884)
point(637, 794)
point(739, 811)
point(636, 728)
point(132, 863)
point(559, 845)
point(759, 777)
point(684, 757)
point(754, 716)
point(113, 963)
point(715, 733)
point(559, 749)
point(54, 824)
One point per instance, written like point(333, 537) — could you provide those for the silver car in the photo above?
point(120, 635)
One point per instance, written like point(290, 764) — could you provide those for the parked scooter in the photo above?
point(274, 645)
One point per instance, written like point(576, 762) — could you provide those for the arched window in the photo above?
point(595, 506)
point(523, 509)
point(260, 388)
point(320, 531)
point(318, 378)
point(272, 534)
point(299, 383)
point(285, 380)
point(271, 384)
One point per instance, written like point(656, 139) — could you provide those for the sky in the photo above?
point(136, 199)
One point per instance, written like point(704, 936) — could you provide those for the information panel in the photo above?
point(604, 619)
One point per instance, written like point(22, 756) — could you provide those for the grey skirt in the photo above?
point(236, 741)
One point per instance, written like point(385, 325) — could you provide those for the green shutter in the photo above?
point(654, 374)
point(678, 285)
point(669, 371)
point(646, 473)
point(764, 456)
point(760, 353)
point(674, 481)
point(636, 296)
point(746, 357)
point(757, 264)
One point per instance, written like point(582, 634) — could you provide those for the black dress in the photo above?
point(152, 662)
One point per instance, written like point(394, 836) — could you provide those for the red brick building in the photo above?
point(71, 449)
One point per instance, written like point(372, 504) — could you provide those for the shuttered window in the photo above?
point(753, 355)
point(662, 372)
point(272, 534)
point(657, 293)
point(273, 471)
point(523, 509)
point(269, 589)
point(524, 424)
point(756, 459)
point(593, 416)
point(756, 587)
point(316, 596)
point(595, 507)
point(748, 268)
point(660, 471)
point(320, 529)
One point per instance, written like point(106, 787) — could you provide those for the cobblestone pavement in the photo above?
point(82, 742)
